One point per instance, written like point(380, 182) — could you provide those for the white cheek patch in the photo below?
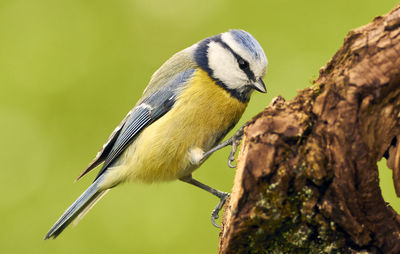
point(257, 66)
point(224, 66)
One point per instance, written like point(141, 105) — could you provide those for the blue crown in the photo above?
point(248, 42)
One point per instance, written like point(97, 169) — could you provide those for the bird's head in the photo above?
point(235, 60)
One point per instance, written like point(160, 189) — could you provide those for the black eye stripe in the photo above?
point(243, 64)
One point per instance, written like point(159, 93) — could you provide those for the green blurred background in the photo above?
point(71, 69)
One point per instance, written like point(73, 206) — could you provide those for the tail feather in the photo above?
point(78, 209)
point(89, 206)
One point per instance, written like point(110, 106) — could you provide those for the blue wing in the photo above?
point(149, 110)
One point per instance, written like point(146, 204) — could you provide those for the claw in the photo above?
point(235, 143)
point(215, 212)
point(230, 163)
point(213, 218)
point(231, 156)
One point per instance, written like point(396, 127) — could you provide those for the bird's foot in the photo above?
point(235, 141)
point(215, 213)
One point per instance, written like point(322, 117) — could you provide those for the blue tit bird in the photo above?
point(192, 101)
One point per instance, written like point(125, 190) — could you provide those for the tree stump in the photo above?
point(307, 177)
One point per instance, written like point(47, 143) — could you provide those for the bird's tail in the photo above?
point(78, 209)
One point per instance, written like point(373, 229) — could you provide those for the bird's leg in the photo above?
point(220, 194)
point(234, 141)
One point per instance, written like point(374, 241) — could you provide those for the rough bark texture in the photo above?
point(307, 177)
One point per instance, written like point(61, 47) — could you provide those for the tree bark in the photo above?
point(307, 177)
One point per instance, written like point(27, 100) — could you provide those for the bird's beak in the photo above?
point(260, 86)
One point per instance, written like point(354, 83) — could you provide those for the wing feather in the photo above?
point(147, 111)
point(105, 150)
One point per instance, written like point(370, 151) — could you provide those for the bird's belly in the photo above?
point(200, 116)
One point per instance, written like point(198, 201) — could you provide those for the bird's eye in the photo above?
point(243, 64)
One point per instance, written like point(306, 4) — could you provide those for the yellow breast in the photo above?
point(201, 114)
